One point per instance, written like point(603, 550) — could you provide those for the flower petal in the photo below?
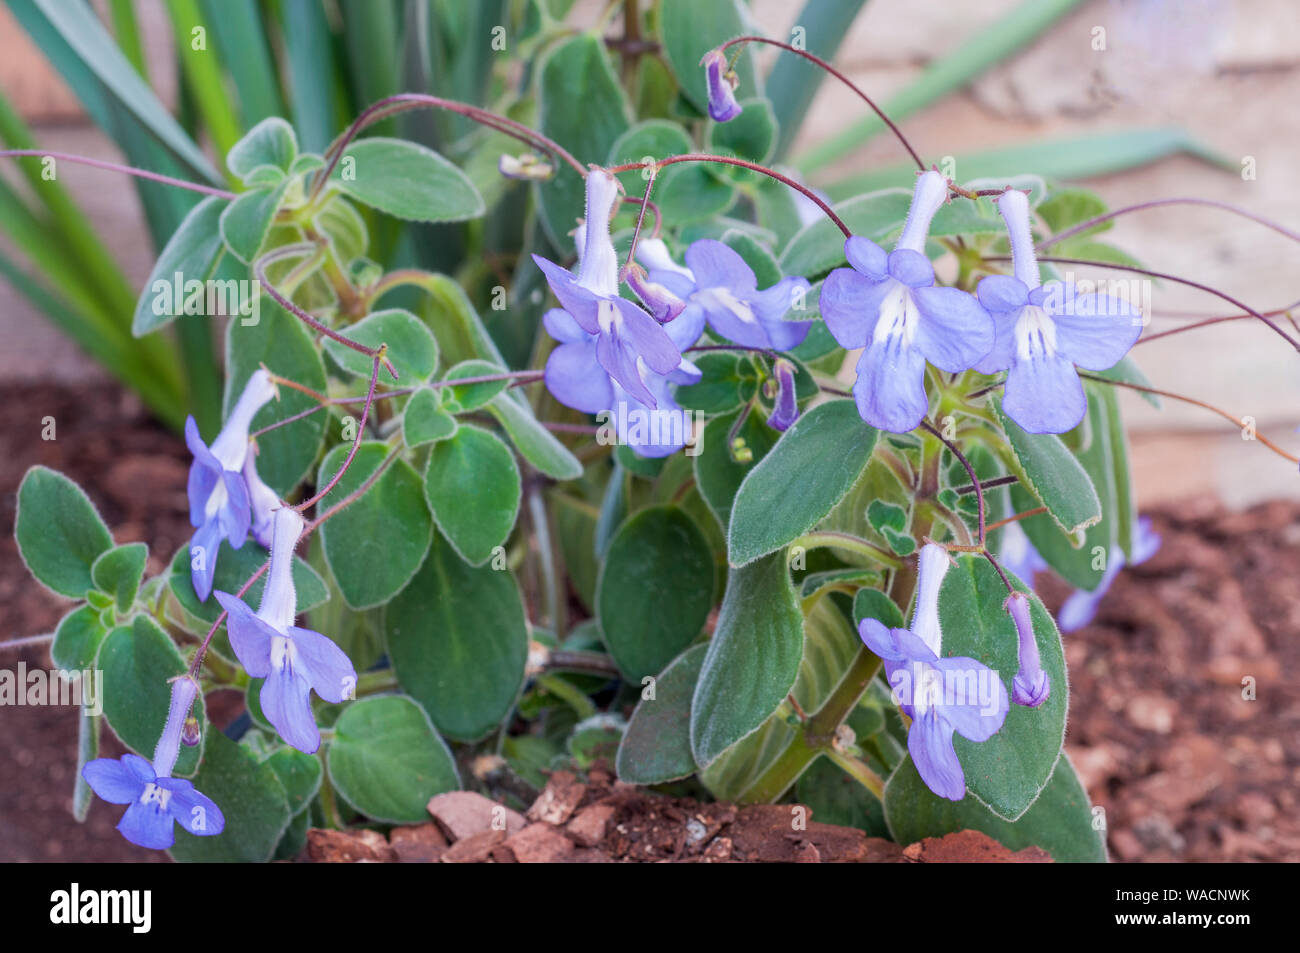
point(561, 326)
point(192, 809)
point(866, 257)
point(1003, 353)
point(772, 304)
point(620, 362)
point(1002, 293)
point(575, 299)
point(882, 640)
point(975, 700)
point(850, 305)
point(147, 825)
point(250, 637)
point(955, 331)
point(655, 432)
point(647, 338)
point(1095, 331)
point(236, 514)
point(206, 541)
point(113, 781)
point(204, 473)
point(890, 389)
point(930, 743)
point(1044, 394)
point(716, 265)
point(911, 268)
point(685, 329)
point(286, 702)
point(575, 378)
point(327, 667)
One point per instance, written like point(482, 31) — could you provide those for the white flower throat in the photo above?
point(153, 794)
point(1035, 334)
point(898, 316)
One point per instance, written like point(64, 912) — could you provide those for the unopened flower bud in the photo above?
point(786, 409)
point(1031, 685)
point(190, 734)
point(722, 87)
point(661, 302)
point(526, 167)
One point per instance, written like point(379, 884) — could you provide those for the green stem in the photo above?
point(575, 699)
point(858, 770)
point(851, 543)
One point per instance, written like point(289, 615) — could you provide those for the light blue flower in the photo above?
point(1044, 330)
point(157, 802)
point(1031, 686)
point(940, 695)
point(293, 661)
point(887, 304)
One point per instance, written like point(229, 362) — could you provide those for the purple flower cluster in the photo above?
point(617, 358)
point(887, 303)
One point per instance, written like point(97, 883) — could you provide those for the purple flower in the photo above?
point(629, 343)
point(292, 660)
point(1043, 331)
point(786, 409)
point(887, 303)
point(1031, 686)
point(157, 801)
point(1080, 608)
point(722, 87)
point(723, 289)
point(936, 693)
point(219, 507)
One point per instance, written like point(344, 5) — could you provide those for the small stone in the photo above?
point(718, 851)
point(558, 801)
point(462, 814)
point(805, 852)
point(349, 847)
point(589, 826)
point(474, 849)
point(540, 844)
point(418, 843)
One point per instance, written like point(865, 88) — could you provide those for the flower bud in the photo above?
point(659, 301)
point(786, 409)
point(190, 733)
point(184, 690)
point(1031, 685)
point(526, 167)
point(722, 87)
